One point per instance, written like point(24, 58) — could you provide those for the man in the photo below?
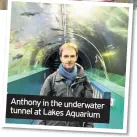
point(68, 81)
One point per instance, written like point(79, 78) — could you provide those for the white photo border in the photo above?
point(105, 130)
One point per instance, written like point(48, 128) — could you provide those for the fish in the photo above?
point(56, 29)
point(18, 56)
point(29, 14)
point(50, 43)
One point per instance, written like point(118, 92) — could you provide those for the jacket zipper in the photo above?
point(67, 91)
point(67, 122)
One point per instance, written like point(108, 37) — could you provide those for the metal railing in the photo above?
point(100, 91)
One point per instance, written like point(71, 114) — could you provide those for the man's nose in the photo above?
point(69, 58)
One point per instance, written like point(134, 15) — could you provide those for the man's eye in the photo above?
point(65, 56)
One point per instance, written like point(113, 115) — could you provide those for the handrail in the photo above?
point(26, 74)
point(100, 91)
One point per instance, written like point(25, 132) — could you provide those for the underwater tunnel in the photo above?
point(38, 30)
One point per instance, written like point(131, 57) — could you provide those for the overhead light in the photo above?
point(110, 53)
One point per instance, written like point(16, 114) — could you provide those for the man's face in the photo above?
point(68, 58)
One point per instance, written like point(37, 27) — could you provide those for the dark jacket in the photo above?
point(56, 85)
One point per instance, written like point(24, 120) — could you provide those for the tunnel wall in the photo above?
point(103, 27)
point(29, 84)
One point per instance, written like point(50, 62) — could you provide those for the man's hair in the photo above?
point(68, 45)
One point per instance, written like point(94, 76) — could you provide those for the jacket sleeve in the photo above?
point(47, 87)
point(88, 94)
point(88, 89)
point(89, 124)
